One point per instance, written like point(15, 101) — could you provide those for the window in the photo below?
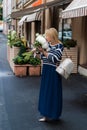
point(65, 30)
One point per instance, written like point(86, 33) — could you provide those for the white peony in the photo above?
point(37, 34)
point(45, 45)
point(43, 41)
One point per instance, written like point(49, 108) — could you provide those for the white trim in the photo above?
point(22, 20)
point(53, 55)
point(31, 17)
point(34, 16)
point(82, 71)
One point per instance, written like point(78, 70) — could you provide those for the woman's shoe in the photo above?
point(44, 119)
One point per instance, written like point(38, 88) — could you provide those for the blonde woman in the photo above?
point(50, 97)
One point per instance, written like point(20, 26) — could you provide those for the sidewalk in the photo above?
point(19, 100)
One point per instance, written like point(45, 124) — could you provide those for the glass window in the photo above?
point(65, 30)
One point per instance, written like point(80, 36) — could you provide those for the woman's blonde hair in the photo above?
point(53, 34)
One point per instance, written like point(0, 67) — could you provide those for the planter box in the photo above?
point(8, 53)
point(11, 57)
point(15, 50)
point(73, 54)
point(13, 53)
point(24, 70)
point(20, 70)
point(34, 70)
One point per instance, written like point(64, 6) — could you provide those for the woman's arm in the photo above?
point(45, 53)
point(55, 55)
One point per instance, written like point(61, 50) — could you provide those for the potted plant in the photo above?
point(34, 64)
point(29, 62)
point(15, 46)
point(11, 36)
point(28, 59)
point(70, 43)
point(19, 67)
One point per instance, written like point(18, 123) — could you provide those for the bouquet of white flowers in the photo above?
point(41, 41)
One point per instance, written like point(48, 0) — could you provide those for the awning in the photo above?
point(76, 8)
point(22, 20)
point(34, 17)
point(30, 18)
point(41, 7)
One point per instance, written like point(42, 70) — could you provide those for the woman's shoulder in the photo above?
point(56, 46)
point(60, 44)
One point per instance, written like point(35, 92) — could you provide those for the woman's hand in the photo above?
point(43, 51)
point(40, 49)
point(33, 50)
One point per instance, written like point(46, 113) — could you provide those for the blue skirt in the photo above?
point(50, 97)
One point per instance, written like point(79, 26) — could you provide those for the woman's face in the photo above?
point(48, 38)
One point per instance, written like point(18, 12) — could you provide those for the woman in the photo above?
point(50, 98)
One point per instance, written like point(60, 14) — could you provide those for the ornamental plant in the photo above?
point(70, 43)
point(11, 36)
point(31, 59)
point(14, 40)
point(19, 59)
point(27, 58)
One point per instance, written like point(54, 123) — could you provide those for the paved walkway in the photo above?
point(19, 100)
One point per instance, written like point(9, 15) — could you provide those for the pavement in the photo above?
point(19, 100)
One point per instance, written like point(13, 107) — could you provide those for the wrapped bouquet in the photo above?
point(41, 41)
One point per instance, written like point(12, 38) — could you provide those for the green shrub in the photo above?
point(18, 60)
point(69, 43)
point(34, 61)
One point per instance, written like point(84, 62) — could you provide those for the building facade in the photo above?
point(34, 16)
point(77, 11)
point(7, 9)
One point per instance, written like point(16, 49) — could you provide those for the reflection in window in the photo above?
point(65, 27)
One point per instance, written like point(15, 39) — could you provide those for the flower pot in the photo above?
point(13, 53)
point(34, 70)
point(15, 50)
point(20, 70)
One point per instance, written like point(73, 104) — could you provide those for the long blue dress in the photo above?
point(50, 97)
